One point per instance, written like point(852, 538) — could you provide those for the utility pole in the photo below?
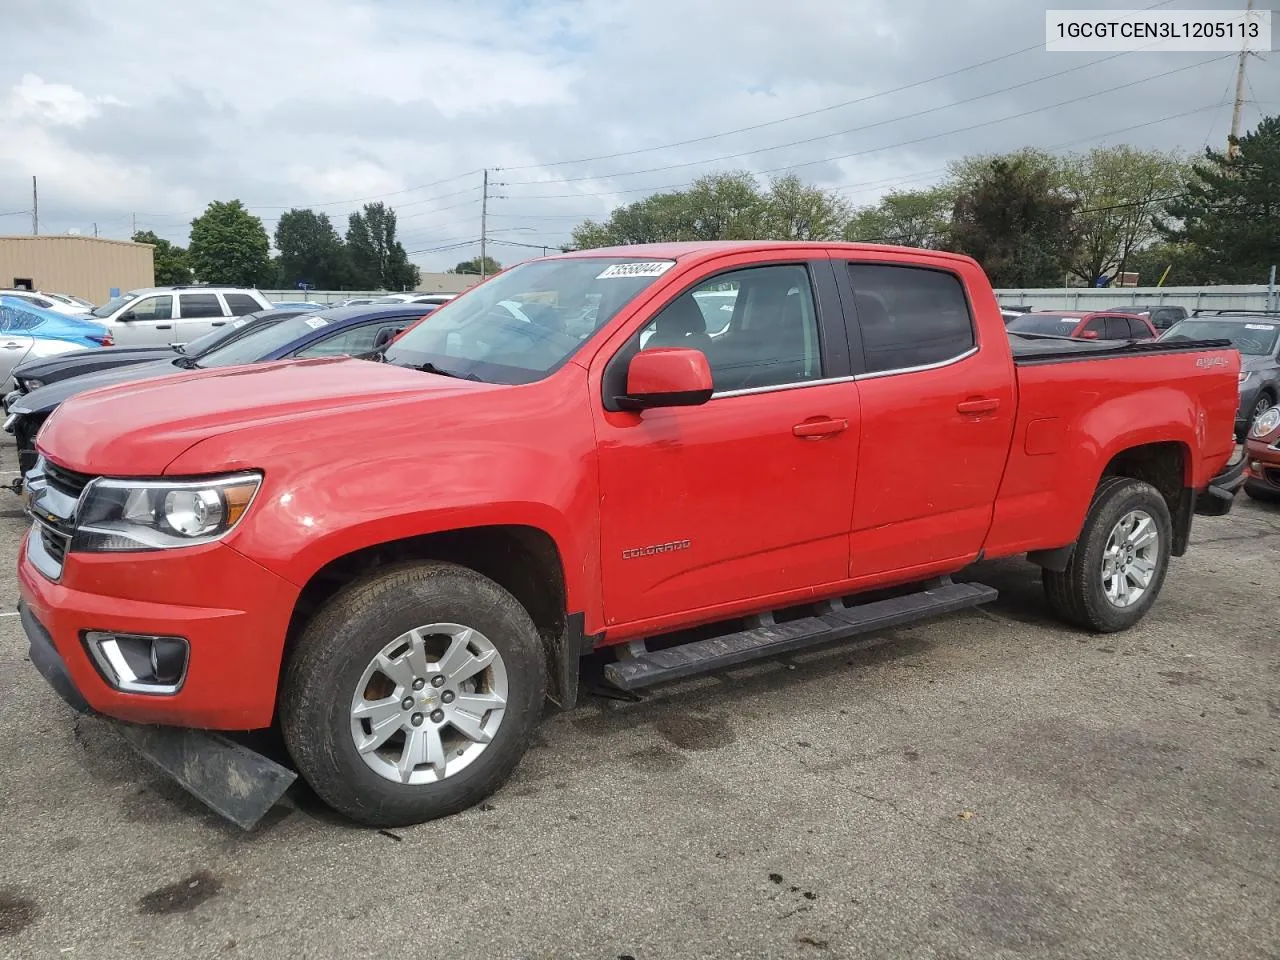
point(35, 209)
point(135, 226)
point(484, 223)
point(95, 231)
point(1232, 148)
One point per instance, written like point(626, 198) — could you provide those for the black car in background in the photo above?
point(1162, 315)
point(342, 331)
point(35, 374)
point(1257, 337)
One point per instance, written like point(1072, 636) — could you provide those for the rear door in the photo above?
point(938, 409)
point(15, 341)
point(1118, 328)
point(199, 313)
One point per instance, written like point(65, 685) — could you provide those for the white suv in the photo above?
point(156, 316)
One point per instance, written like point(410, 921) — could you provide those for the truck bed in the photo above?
point(1033, 348)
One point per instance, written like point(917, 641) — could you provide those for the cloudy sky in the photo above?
point(152, 108)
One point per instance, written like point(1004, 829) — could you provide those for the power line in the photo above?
point(893, 146)
point(796, 116)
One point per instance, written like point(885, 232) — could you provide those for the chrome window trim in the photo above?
point(773, 388)
point(39, 557)
point(875, 375)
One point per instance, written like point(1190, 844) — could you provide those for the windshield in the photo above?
point(112, 305)
point(266, 339)
point(526, 322)
point(1253, 339)
point(232, 330)
point(1053, 324)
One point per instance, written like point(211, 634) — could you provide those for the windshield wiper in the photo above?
point(186, 363)
point(430, 367)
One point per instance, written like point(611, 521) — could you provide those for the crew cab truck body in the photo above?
point(396, 562)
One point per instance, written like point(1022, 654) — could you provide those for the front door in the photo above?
point(937, 420)
point(148, 322)
point(748, 495)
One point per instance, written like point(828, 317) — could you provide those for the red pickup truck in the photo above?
point(677, 457)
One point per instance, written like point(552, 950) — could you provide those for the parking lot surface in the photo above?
point(984, 786)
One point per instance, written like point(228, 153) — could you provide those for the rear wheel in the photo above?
point(1120, 560)
point(413, 694)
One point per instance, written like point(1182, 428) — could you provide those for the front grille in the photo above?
point(1272, 476)
point(66, 482)
point(55, 544)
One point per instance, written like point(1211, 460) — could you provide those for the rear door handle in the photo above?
point(819, 428)
point(978, 405)
point(11, 345)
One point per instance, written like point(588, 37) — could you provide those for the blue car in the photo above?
point(28, 332)
point(342, 331)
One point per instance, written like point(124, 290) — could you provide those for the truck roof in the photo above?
point(702, 249)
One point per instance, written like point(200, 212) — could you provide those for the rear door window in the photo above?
point(1117, 328)
point(200, 305)
point(241, 303)
point(910, 316)
point(1138, 330)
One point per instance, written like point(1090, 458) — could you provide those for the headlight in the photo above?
point(1266, 423)
point(118, 515)
point(29, 385)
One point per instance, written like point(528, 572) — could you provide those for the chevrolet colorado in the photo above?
point(394, 561)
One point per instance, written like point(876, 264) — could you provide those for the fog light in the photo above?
point(136, 663)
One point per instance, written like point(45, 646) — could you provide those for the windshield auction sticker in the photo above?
point(1158, 31)
point(653, 268)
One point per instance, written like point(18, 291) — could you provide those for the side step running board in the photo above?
point(771, 640)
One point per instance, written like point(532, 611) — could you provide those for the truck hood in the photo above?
point(138, 429)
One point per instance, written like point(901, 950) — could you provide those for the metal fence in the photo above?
point(1245, 297)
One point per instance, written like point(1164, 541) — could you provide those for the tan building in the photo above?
point(445, 282)
point(87, 267)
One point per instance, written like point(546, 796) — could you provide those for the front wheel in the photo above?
point(1119, 563)
point(413, 694)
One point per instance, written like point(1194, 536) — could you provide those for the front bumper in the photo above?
point(1263, 461)
point(235, 650)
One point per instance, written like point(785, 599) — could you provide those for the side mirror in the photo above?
point(1089, 335)
point(667, 377)
point(126, 317)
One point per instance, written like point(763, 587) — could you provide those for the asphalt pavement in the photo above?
point(988, 785)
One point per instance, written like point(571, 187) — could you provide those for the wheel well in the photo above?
point(523, 560)
point(1166, 466)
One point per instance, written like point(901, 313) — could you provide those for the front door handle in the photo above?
point(978, 405)
point(11, 345)
point(164, 326)
point(818, 428)
point(218, 323)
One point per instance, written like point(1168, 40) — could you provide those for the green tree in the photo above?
point(793, 210)
point(170, 260)
point(913, 218)
point(1117, 190)
point(472, 266)
point(229, 246)
point(1017, 224)
point(1228, 222)
point(1151, 262)
point(310, 250)
point(376, 260)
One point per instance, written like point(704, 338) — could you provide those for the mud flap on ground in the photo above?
point(236, 782)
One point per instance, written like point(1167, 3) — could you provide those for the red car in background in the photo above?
point(1083, 325)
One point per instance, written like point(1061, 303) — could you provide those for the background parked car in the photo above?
point(35, 373)
point(342, 331)
point(57, 302)
point(1097, 325)
point(433, 298)
point(27, 331)
point(1162, 315)
point(1262, 452)
point(1257, 337)
point(303, 304)
point(157, 316)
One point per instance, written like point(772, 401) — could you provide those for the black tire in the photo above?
point(326, 664)
point(1262, 492)
point(1076, 594)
